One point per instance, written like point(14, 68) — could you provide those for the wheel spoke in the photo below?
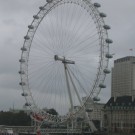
point(63, 57)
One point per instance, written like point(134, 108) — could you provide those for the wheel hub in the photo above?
point(63, 59)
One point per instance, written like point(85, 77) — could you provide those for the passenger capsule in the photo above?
point(89, 110)
point(22, 60)
point(97, 5)
point(49, 1)
point(109, 56)
point(27, 104)
point(42, 8)
point(31, 27)
point(102, 15)
point(36, 17)
point(96, 99)
point(21, 72)
point(24, 94)
point(106, 27)
point(109, 41)
point(23, 49)
point(26, 37)
point(22, 83)
point(102, 85)
point(107, 71)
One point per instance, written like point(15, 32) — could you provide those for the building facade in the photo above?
point(119, 111)
point(119, 116)
point(123, 77)
point(95, 112)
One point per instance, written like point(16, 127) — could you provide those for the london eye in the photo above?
point(64, 58)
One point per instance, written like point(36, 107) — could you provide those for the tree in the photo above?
point(14, 119)
point(52, 111)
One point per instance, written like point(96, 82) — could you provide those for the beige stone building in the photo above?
point(95, 112)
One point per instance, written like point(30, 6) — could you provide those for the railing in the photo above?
point(28, 129)
point(61, 131)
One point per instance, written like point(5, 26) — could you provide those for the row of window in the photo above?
point(122, 104)
point(123, 117)
point(121, 108)
point(123, 59)
point(123, 125)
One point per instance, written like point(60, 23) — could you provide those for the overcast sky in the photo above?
point(16, 15)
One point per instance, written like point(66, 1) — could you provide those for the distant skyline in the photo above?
point(16, 15)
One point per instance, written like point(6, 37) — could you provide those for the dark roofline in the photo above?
point(120, 101)
point(127, 58)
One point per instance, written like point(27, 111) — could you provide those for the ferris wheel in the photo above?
point(64, 58)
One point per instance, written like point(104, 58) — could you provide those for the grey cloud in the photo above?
point(16, 15)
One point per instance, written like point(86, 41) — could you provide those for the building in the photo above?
point(95, 112)
point(119, 111)
point(123, 77)
point(120, 115)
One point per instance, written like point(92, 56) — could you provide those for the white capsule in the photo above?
point(102, 85)
point(49, 1)
point(22, 60)
point(27, 104)
point(109, 56)
point(24, 49)
point(36, 17)
point(31, 27)
point(97, 5)
point(26, 37)
point(21, 72)
point(107, 27)
point(42, 8)
point(24, 94)
point(22, 83)
point(109, 41)
point(96, 99)
point(107, 71)
point(102, 15)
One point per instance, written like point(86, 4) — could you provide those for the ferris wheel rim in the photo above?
point(102, 32)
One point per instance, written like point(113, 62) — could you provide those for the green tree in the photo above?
point(15, 119)
point(52, 111)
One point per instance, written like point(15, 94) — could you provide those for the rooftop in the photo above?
point(121, 101)
point(125, 59)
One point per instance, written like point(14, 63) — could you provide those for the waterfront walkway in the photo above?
point(29, 130)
